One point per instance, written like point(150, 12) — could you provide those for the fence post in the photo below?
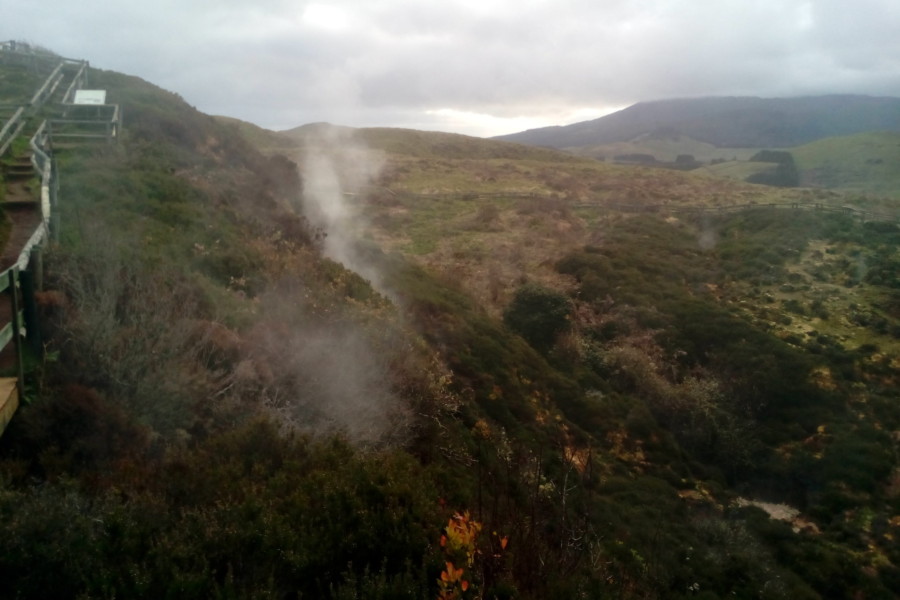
point(29, 305)
point(36, 267)
point(54, 206)
point(17, 330)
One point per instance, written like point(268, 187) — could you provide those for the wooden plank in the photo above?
point(100, 120)
point(12, 121)
point(4, 280)
point(6, 335)
point(11, 129)
point(84, 136)
point(9, 141)
point(9, 400)
point(37, 100)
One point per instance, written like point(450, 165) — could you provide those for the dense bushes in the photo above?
point(785, 174)
point(490, 365)
point(770, 417)
point(539, 315)
point(767, 382)
point(247, 514)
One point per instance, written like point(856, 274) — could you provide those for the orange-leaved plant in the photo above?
point(460, 544)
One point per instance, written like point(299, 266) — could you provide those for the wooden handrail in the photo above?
point(77, 82)
point(108, 121)
point(39, 96)
point(11, 121)
point(11, 129)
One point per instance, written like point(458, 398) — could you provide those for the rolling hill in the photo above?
point(839, 142)
point(728, 122)
point(866, 162)
point(663, 147)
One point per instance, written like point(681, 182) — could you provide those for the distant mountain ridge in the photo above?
point(735, 122)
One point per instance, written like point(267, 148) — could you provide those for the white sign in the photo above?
point(90, 97)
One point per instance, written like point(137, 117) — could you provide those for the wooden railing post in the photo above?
point(28, 282)
point(17, 330)
point(36, 266)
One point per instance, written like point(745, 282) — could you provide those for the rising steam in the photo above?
point(336, 169)
point(326, 375)
point(329, 372)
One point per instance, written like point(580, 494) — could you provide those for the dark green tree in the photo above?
point(539, 315)
point(784, 175)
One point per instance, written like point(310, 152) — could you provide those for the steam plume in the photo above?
point(336, 168)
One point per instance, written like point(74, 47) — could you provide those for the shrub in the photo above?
point(539, 315)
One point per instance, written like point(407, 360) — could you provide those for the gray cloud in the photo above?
point(475, 66)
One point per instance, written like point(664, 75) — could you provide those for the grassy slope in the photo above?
point(264, 139)
point(738, 170)
point(421, 144)
point(422, 203)
point(664, 149)
point(490, 244)
point(730, 122)
point(862, 163)
point(865, 163)
point(18, 83)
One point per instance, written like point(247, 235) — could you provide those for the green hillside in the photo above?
point(865, 163)
point(664, 148)
point(521, 374)
point(264, 139)
point(729, 122)
point(738, 170)
point(421, 144)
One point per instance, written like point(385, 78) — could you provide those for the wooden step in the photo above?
point(19, 173)
point(28, 202)
point(9, 400)
point(20, 170)
point(19, 197)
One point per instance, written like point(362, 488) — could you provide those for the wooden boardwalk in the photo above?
point(9, 400)
point(21, 205)
point(28, 196)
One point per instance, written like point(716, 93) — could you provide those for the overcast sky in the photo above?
point(480, 67)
